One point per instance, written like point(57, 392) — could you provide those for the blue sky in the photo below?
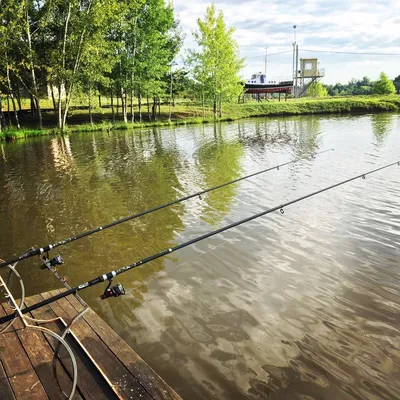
point(353, 26)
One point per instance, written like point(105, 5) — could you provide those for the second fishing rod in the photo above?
point(57, 260)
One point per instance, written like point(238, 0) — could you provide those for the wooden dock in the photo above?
point(107, 367)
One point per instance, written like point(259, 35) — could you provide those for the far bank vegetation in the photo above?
point(89, 61)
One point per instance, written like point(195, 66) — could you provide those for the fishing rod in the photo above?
point(119, 290)
point(58, 260)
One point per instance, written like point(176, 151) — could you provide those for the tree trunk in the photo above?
point(220, 106)
point(53, 99)
point(140, 106)
point(19, 99)
point(148, 107)
point(12, 96)
point(90, 107)
point(15, 112)
point(39, 110)
point(215, 107)
point(64, 119)
point(59, 107)
point(159, 107)
point(124, 106)
point(112, 107)
point(203, 105)
point(39, 113)
point(69, 89)
point(132, 110)
point(99, 100)
point(117, 98)
point(2, 118)
point(32, 68)
point(154, 109)
point(173, 100)
point(33, 107)
point(8, 110)
point(61, 123)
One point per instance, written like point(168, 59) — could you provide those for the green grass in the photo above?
point(190, 113)
point(321, 106)
point(14, 134)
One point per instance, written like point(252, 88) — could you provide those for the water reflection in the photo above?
point(62, 153)
point(69, 193)
point(308, 136)
point(3, 153)
point(219, 161)
point(300, 305)
point(381, 124)
point(267, 133)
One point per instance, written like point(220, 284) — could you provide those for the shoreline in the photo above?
point(233, 112)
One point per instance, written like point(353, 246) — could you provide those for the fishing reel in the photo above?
point(57, 260)
point(114, 291)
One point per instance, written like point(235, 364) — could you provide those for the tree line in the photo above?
point(364, 86)
point(121, 49)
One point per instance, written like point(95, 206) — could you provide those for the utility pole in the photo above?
point(297, 69)
point(266, 60)
point(294, 49)
point(294, 72)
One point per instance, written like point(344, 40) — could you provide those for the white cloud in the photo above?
point(358, 26)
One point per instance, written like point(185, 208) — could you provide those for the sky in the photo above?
point(333, 25)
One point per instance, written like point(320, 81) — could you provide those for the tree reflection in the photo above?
point(307, 133)
point(219, 162)
point(265, 134)
point(381, 124)
point(82, 183)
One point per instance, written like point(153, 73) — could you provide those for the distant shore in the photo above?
point(192, 114)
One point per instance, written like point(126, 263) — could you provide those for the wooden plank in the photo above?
point(148, 378)
point(5, 388)
point(41, 355)
point(23, 379)
point(124, 383)
point(87, 384)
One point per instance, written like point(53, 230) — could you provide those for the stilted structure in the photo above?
point(308, 73)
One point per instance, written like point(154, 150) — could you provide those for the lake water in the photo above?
point(300, 305)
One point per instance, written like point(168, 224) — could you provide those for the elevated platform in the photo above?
point(107, 367)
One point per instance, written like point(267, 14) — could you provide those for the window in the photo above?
point(308, 66)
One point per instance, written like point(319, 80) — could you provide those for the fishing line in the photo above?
point(119, 290)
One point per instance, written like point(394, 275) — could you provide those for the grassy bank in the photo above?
point(192, 114)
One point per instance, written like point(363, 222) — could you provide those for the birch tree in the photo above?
point(78, 28)
point(216, 65)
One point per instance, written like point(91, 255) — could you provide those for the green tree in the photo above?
point(9, 30)
point(158, 41)
point(317, 89)
point(353, 88)
point(217, 64)
point(384, 85)
point(76, 29)
point(396, 82)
